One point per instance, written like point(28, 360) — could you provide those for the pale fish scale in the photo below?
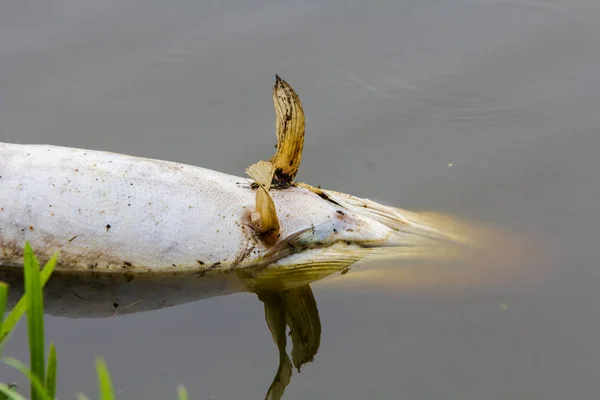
point(120, 211)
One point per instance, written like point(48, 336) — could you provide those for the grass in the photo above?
point(41, 375)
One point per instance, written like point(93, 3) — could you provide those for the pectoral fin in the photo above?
point(264, 220)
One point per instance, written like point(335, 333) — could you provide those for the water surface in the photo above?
point(485, 110)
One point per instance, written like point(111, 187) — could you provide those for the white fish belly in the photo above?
point(113, 212)
point(121, 209)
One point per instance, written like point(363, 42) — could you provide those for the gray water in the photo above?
point(484, 110)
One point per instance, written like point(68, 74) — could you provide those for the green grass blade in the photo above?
point(35, 317)
point(51, 372)
point(182, 393)
point(3, 300)
point(17, 312)
point(36, 383)
point(104, 382)
point(10, 394)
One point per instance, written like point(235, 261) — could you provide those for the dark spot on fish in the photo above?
point(340, 212)
point(174, 265)
point(115, 305)
point(93, 266)
point(73, 238)
point(200, 262)
point(319, 243)
point(31, 228)
point(345, 271)
point(215, 265)
point(107, 227)
point(127, 263)
point(335, 231)
point(325, 197)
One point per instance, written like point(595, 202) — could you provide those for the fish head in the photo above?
point(349, 230)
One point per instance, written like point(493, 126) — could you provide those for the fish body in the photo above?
point(135, 234)
point(111, 212)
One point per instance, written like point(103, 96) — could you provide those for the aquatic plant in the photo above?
point(41, 375)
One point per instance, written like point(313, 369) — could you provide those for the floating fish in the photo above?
point(107, 213)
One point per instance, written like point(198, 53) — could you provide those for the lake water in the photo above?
point(484, 110)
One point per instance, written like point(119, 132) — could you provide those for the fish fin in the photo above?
point(438, 227)
point(289, 268)
point(267, 221)
point(289, 125)
point(262, 173)
point(388, 216)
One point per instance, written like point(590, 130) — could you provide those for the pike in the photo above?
point(112, 213)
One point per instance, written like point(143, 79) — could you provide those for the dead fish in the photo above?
point(106, 212)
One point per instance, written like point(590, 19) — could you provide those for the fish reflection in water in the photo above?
point(289, 304)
